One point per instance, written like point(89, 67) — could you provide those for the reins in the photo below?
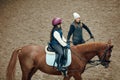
point(102, 59)
point(89, 39)
point(85, 40)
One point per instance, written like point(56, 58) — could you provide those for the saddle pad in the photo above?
point(50, 58)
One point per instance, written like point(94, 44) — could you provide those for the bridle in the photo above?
point(103, 58)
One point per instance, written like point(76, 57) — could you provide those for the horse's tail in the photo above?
point(10, 75)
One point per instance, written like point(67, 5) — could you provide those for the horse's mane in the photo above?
point(89, 47)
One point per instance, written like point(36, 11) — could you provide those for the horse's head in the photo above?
point(88, 50)
point(105, 55)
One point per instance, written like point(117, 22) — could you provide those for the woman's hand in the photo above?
point(68, 46)
point(91, 36)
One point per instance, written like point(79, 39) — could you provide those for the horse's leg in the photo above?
point(77, 76)
point(28, 73)
point(33, 70)
point(67, 78)
point(25, 74)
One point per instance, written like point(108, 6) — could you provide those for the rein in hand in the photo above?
point(85, 40)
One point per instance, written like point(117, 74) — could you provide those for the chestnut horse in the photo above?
point(32, 58)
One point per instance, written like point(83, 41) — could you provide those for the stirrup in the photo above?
point(64, 73)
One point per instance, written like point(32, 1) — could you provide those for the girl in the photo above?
point(57, 40)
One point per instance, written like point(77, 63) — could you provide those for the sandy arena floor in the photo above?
point(24, 22)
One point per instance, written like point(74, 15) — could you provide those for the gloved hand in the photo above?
point(91, 36)
point(68, 46)
point(68, 42)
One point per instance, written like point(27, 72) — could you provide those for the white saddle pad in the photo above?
point(50, 58)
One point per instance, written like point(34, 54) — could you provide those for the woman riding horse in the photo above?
point(57, 41)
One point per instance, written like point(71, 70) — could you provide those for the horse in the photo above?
point(32, 58)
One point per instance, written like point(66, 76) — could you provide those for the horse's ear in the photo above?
point(109, 41)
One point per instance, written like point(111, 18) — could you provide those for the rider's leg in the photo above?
point(59, 50)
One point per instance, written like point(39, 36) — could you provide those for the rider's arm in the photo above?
point(63, 38)
point(59, 39)
point(87, 29)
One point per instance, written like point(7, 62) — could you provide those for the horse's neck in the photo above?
point(88, 56)
point(88, 51)
point(85, 57)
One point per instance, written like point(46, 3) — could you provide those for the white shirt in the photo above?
point(62, 40)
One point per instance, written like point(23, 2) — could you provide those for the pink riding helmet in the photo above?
point(56, 21)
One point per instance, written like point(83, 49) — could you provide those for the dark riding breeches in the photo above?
point(59, 51)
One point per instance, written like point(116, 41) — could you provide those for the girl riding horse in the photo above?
point(57, 41)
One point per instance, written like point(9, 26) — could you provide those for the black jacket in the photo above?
point(76, 30)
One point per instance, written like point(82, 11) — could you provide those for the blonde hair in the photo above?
point(81, 23)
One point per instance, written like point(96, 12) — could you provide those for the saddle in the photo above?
point(49, 48)
point(51, 57)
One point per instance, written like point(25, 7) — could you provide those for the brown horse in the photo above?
point(32, 58)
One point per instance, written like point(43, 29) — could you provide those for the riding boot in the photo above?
point(64, 72)
point(90, 61)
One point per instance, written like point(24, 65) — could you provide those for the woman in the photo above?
point(57, 40)
point(76, 29)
